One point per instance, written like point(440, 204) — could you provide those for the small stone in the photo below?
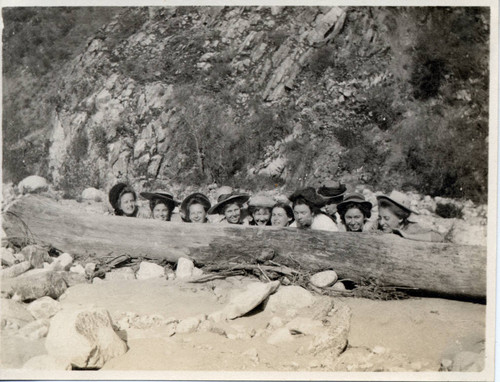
point(252, 355)
point(33, 286)
point(184, 268)
point(217, 316)
point(378, 350)
point(149, 271)
point(44, 307)
point(32, 184)
point(125, 273)
point(188, 325)
point(280, 336)
point(77, 269)
point(324, 279)
point(8, 257)
point(339, 285)
point(90, 269)
point(47, 362)
point(97, 280)
point(63, 262)
point(446, 364)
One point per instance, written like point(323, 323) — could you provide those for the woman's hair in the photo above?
point(155, 201)
point(367, 213)
point(400, 213)
point(118, 210)
point(286, 207)
point(301, 200)
point(193, 201)
point(252, 209)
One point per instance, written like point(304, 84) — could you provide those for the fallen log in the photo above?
point(443, 268)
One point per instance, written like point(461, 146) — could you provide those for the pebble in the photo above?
point(7, 255)
point(90, 269)
point(77, 269)
point(44, 307)
point(324, 279)
point(125, 273)
point(149, 270)
point(62, 263)
point(184, 268)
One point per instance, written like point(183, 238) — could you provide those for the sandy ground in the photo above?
point(413, 334)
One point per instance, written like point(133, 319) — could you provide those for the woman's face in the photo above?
point(261, 216)
point(279, 217)
point(127, 203)
point(232, 212)
point(388, 220)
point(354, 219)
point(160, 212)
point(303, 215)
point(331, 208)
point(197, 213)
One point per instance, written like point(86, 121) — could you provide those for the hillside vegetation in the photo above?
point(256, 97)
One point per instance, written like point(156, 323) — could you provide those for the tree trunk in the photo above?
point(448, 269)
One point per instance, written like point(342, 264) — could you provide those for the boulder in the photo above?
point(15, 270)
point(253, 296)
point(90, 269)
point(125, 273)
point(44, 307)
point(33, 184)
point(289, 297)
point(35, 330)
point(94, 194)
point(36, 255)
point(324, 279)
point(36, 285)
point(184, 268)
point(46, 362)
point(84, 337)
point(149, 271)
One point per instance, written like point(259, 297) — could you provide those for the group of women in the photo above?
point(328, 208)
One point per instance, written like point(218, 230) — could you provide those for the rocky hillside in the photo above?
point(262, 97)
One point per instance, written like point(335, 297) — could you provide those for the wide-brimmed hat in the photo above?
point(163, 196)
point(356, 198)
point(117, 191)
point(310, 195)
point(261, 201)
point(399, 200)
point(332, 190)
point(203, 199)
point(233, 197)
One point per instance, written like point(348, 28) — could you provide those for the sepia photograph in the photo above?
point(249, 192)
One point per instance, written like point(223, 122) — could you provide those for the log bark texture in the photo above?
point(448, 269)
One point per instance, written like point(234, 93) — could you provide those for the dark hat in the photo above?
point(233, 197)
point(310, 195)
point(398, 199)
point(356, 198)
point(332, 190)
point(199, 197)
point(163, 196)
point(116, 192)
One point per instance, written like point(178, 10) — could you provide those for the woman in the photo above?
point(230, 205)
point(194, 208)
point(354, 212)
point(259, 207)
point(307, 213)
point(162, 204)
point(333, 192)
point(123, 200)
point(393, 218)
point(281, 215)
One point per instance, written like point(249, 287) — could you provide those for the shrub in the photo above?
point(449, 211)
